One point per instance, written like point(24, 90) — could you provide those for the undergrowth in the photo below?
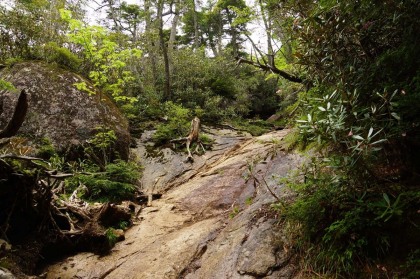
point(342, 228)
point(117, 183)
point(98, 174)
point(357, 198)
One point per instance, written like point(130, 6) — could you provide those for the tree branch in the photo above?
point(257, 50)
point(272, 69)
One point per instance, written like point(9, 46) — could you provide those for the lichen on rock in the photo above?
point(58, 110)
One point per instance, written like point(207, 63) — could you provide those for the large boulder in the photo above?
point(58, 110)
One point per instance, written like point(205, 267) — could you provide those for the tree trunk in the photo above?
point(167, 84)
point(150, 46)
point(172, 37)
point(192, 137)
point(233, 34)
point(219, 36)
point(114, 15)
point(196, 37)
point(194, 134)
point(268, 31)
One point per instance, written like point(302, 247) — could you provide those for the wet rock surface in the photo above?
point(211, 221)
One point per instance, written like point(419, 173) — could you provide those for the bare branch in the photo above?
point(254, 46)
point(273, 69)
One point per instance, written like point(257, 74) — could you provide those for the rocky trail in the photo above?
point(211, 220)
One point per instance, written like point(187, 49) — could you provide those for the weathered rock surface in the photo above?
point(163, 167)
point(212, 222)
point(57, 109)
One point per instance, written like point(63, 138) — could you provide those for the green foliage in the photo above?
point(339, 228)
point(117, 183)
point(235, 211)
point(123, 225)
point(176, 126)
point(110, 235)
point(5, 85)
point(12, 61)
point(121, 171)
point(357, 197)
point(104, 138)
point(106, 60)
point(46, 150)
point(216, 20)
point(100, 147)
point(254, 127)
point(205, 139)
point(249, 201)
point(104, 178)
point(61, 55)
point(221, 89)
point(26, 26)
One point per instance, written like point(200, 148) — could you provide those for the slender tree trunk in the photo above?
point(213, 46)
point(114, 15)
point(219, 36)
point(135, 33)
point(268, 30)
point(175, 20)
point(172, 37)
point(150, 47)
point(167, 84)
point(233, 34)
point(196, 36)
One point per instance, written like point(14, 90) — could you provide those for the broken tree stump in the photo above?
point(192, 137)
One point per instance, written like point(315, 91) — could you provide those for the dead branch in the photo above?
point(61, 175)
point(22, 157)
point(81, 212)
point(257, 50)
point(256, 180)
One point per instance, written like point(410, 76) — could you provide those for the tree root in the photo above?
point(32, 212)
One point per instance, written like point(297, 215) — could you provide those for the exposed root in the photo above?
point(31, 211)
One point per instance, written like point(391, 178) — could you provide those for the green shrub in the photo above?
point(176, 126)
point(223, 86)
point(13, 60)
point(111, 237)
point(100, 148)
point(46, 150)
point(121, 171)
point(5, 85)
point(53, 53)
point(205, 139)
point(254, 127)
point(342, 222)
point(115, 184)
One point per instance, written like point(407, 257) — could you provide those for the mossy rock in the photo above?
point(58, 110)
